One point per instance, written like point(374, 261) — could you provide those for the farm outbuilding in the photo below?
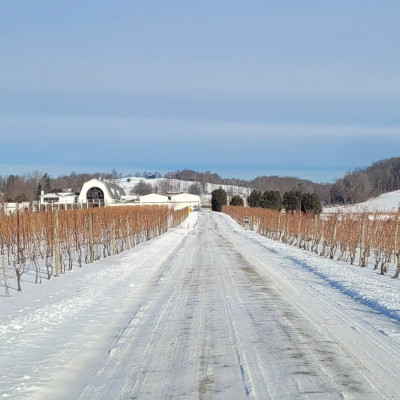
point(182, 200)
point(153, 199)
point(58, 198)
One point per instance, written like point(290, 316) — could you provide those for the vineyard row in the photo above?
point(350, 237)
point(52, 242)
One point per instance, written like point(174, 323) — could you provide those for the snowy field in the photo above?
point(176, 185)
point(206, 311)
point(386, 202)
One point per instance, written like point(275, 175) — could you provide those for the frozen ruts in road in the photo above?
point(209, 312)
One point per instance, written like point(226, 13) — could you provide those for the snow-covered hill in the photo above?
point(176, 185)
point(385, 202)
point(163, 185)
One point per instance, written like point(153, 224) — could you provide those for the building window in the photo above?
point(95, 195)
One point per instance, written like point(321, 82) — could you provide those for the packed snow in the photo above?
point(207, 310)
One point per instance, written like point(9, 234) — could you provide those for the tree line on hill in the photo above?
point(356, 186)
point(262, 183)
point(362, 184)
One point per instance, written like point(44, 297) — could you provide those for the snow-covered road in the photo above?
point(206, 312)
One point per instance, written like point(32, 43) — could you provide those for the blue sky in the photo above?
point(241, 88)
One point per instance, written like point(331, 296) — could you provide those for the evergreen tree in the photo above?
point(272, 200)
point(38, 191)
point(255, 199)
point(311, 202)
point(218, 199)
point(237, 201)
point(46, 183)
point(291, 201)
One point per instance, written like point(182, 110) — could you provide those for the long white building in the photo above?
point(98, 192)
point(182, 200)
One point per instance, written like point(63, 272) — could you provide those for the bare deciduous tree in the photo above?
point(142, 188)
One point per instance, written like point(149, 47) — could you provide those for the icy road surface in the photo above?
point(206, 312)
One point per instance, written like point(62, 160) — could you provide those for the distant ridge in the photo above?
point(355, 187)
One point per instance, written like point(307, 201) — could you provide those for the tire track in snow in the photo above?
point(218, 325)
point(350, 326)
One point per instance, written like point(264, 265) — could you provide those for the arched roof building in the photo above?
point(99, 192)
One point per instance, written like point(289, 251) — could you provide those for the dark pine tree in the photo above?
point(291, 201)
point(218, 199)
point(311, 202)
point(38, 191)
point(272, 200)
point(236, 201)
point(255, 199)
point(46, 183)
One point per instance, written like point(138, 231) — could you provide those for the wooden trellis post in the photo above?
point(332, 249)
point(3, 268)
point(298, 231)
point(396, 249)
point(278, 231)
point(362, 261)
point(286, 234)
point(57, 244)
point(113, 248)
point(128, 234)
point(315, 232)
point(90, 229)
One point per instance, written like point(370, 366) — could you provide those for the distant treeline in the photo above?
point(362, 184)
point(356, 186)
point(261, 183)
